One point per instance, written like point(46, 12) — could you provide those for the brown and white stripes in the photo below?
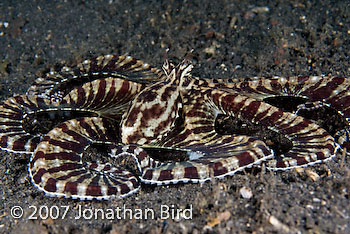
point(130, 107)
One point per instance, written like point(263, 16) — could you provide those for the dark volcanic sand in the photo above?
point(262, 37)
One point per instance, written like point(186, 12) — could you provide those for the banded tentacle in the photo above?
point(332, 90)
point(109, 97)
point(314, 91)
point(13, 116)
point(310, 142)
point(56, 84)
point(58, 167)
point(122, 67)
point(221, 156)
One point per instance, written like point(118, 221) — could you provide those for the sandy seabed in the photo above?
point(229, 39)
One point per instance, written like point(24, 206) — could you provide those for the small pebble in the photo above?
point(246, 192)
point(313, 175)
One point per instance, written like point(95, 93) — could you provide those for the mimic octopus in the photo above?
point(161, 127)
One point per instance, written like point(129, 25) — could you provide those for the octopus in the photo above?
point(99, 129)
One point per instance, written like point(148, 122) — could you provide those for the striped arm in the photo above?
point(311, 143)
point(13, 113)
point(58, 168)
point(109, 97)
point(320, 90)
point(56, 84)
